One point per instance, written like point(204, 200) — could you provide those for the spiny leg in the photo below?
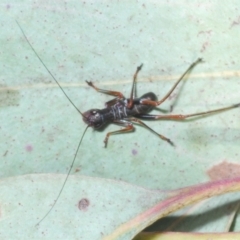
point(146, 126)
point(184, 116)
point(128, 128)
point(109, 92)
point(156, 103)
point(130, 103)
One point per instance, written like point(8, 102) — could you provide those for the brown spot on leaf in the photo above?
point(83, 204)
point(224, 170)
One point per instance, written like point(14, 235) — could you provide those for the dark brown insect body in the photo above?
point(126, 111)
point(119, 111)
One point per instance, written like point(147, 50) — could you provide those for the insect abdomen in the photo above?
point(139, 108)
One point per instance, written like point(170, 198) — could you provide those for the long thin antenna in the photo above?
point(48, 69)
point(65, 181)
point(79, 144)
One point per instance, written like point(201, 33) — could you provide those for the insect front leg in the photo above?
point(109, 92)
point(119, 94)
point(157, 103)
point(128, 128)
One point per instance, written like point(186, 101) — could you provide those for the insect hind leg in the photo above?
point(182, 117)
point(157, 103)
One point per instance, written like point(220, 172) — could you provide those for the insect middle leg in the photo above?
point(119, 94)
point(129, 127)
point(156, 103)
point(146, 126)
point(133, 90)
